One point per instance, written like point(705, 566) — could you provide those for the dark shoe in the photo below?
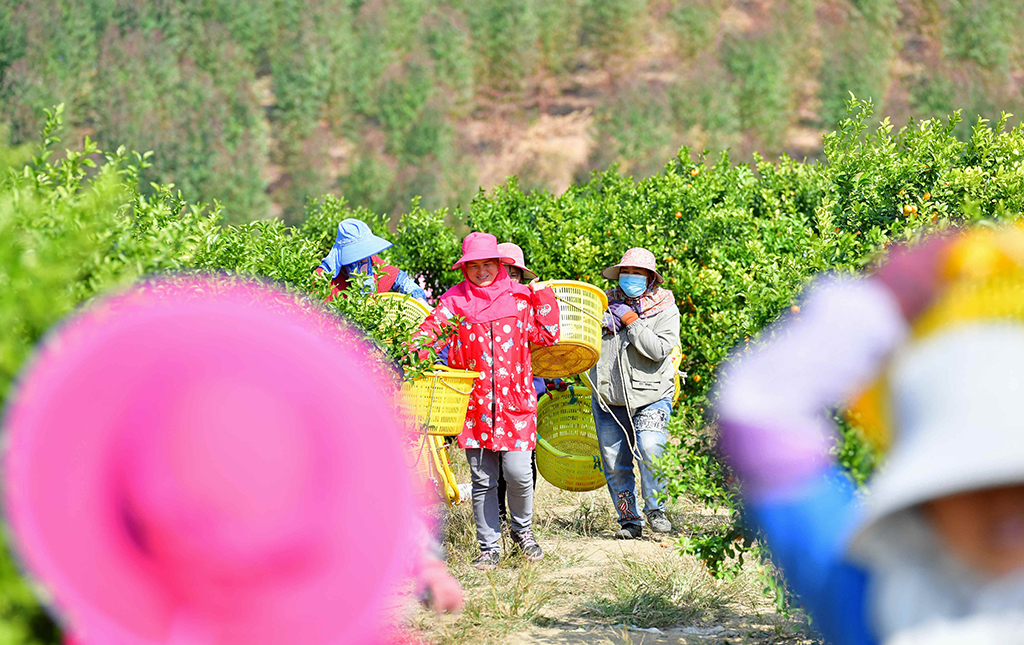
point(487, 560)
point(659, 523)
point(629, 532)
point(528, 544)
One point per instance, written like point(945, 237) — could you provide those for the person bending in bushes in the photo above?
point(934, 342)
point(634, 383)
point(498, 320)
point(354, 257)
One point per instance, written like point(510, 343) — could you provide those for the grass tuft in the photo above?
point(657, 592)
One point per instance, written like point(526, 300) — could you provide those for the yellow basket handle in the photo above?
point(577, 307)
point(438, 373)
point(440, 367)
point(453, 389)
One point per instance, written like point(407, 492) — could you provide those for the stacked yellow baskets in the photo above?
point(567, 451)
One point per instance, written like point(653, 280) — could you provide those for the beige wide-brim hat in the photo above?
point(637, 257)
point(958, 416)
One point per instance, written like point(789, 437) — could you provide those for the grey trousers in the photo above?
point(518, 471)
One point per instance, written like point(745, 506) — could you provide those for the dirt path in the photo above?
point(592, 589)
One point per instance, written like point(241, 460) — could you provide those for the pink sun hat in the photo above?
point(196, 462)
point(637, 257)
point(513, 251)
point(481, 246)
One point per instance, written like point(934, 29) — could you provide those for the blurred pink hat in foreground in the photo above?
point(208, 463)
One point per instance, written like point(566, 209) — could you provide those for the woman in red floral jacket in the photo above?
point(499, 321)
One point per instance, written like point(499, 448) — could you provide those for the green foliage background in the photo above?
point(736, 243)
point(249, 103)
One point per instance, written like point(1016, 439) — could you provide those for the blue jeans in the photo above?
point(650, 424)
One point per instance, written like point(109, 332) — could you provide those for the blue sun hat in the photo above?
point(355, 242)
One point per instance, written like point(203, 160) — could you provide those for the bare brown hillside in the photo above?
point(261, 105)
point(762, 77)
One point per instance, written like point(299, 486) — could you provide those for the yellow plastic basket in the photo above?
point(568, 455)
point(399, 305)
point(431, 463)
point(580, 307)
point(677, 359)
point(438, 400)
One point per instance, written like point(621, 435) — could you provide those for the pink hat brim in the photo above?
point(473, 256)
point(527, 274)
point(65, 424)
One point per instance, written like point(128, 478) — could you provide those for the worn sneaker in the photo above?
point(659, 523)
point(487, 560)
point(528, 545)
point(629, 532)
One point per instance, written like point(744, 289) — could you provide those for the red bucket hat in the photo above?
point(513, 251)
point(481, 246)
point(177, 469)
point(637, 257)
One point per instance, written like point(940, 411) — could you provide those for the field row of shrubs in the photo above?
point(265, 103)
point(735, 242)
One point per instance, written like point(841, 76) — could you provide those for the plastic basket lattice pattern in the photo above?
point(568, 455)
point(580, 307)
point(400, 306)
point(438, 400)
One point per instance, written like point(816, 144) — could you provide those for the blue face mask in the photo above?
point(632, 285)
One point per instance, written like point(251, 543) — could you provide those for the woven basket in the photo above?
point(400, 306)
point(568, 455)
point(438, 400)
point(580, 306)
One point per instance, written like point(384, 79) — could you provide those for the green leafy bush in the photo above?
point(982, 32)
point(736, 244)
point(858, 52)
point(612, 26)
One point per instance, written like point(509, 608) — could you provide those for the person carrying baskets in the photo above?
point(354, 257)
point(633, 386)
point(519, 274)
point(498, 320)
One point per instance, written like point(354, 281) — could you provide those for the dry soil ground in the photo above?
point(593, 589)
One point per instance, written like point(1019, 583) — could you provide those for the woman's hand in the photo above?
point(536, 286)
point(623, 313)
point(439, 590)
point(610, 322)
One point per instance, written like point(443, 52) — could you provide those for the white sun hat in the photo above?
point(957, 402)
